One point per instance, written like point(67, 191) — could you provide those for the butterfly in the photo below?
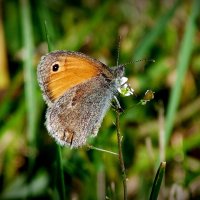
point(78, 90)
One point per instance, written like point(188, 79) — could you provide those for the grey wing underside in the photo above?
point(79, 112)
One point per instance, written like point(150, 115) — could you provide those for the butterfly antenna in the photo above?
point(140, 60)
point(118, 49)
point(118, 54)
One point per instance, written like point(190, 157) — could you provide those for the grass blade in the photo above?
point(182, 66)
point(29, 77)
point(157, 181)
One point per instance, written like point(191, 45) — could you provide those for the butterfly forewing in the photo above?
point(73, 70)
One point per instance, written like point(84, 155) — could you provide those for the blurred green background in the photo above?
point(166, 128)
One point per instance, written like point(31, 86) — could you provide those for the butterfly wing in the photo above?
point(59, 71)
point(79, 112)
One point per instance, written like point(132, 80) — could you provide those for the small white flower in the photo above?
point(124, 88)
point(123, 80)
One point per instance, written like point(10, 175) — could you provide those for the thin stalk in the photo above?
point(50, 47)
point(102, 150)
point(121, 159)
point(60, 184)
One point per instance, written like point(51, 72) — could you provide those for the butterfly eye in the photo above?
point(55, 67)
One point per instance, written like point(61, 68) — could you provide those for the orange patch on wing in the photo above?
point(73, 70)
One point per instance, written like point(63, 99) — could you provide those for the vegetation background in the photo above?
point(165, 129)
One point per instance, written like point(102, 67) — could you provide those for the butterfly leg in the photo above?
point(116, 105)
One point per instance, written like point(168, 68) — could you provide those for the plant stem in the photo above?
point(60, 183)
point(121, 160)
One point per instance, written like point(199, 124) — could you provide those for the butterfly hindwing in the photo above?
point(69, 122)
